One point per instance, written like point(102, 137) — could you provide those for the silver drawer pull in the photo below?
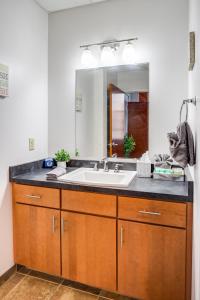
point(63, 221)
point(149, 213)
point(33, 196)
point(121, 237)
point(53, 224)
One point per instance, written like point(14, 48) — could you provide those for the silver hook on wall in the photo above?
point(186, 117)
point(191, 100)
point(186, 102)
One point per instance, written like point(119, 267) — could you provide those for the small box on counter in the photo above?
point(143, 169)
point(166, 170)
point(168, 177)
point(144, 166)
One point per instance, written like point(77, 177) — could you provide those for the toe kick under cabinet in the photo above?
point(137, 247)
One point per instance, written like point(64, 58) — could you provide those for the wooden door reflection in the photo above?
point(138, 114)
point(127, 117)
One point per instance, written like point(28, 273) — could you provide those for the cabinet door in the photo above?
point(151, 261)
point(89, 249)
point(37, 238)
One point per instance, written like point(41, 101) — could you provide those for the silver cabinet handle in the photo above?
point(53, 224)
point(63, 225)
point(144, 212)
point(33, 196)
point(121, 237)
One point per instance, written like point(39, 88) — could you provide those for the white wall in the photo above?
point(24, 48)
point(194, 90)
point(162, 29)
point(136, 81)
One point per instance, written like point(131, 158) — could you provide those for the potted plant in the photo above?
point(62, 157)
point(129, 145)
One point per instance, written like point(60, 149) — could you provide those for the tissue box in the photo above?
point(143, 169)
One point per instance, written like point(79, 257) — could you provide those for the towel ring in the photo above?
point(186, 116)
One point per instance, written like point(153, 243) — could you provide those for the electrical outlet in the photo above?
point(31, 144)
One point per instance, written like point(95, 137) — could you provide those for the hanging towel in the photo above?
point(182, 145)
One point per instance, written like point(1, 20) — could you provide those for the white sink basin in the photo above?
point(88, 176)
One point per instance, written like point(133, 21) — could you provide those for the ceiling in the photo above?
point(55, 5)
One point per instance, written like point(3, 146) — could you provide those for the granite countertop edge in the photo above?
point(33, 174)
point(102, 190)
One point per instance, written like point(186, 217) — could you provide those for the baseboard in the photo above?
point(7, 274)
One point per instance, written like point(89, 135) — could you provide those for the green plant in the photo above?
point(62, 155)
point(76, 152)
point(129, 145)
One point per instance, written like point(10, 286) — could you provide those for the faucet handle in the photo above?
point(103, 159)
point(116, 169)
point(95, 165)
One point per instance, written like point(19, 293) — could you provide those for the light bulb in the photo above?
point(108, 56)
point(87, 59)
point(128, 55)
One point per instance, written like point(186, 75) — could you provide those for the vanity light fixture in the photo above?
point(87, 59)
point(108, 55)
point(128, 55)
point(108, 52)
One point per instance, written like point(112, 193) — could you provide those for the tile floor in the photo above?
point(30, 285)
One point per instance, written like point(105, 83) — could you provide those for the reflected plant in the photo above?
point(77, 152)
point(129, 145)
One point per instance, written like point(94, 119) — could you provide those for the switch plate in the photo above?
point(79, 103)
point(31, 144)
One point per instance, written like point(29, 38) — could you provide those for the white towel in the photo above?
point(55, 173)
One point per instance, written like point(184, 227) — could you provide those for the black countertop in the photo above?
point(33, 174)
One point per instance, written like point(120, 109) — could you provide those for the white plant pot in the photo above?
point(61, 164)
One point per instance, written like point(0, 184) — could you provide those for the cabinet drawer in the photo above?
point(91, 203)
point(153, 211)
point(35, 195)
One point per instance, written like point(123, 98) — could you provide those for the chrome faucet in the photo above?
point(105, 162)
point(95, 166)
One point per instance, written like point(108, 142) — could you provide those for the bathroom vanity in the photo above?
point(135, 241)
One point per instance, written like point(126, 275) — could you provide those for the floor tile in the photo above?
point(31, 288)
point(10, 284)
point(65, 293)
point(82, 287)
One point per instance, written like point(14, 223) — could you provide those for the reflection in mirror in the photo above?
point(112, 111)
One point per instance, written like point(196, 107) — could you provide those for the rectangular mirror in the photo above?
point(112, 111)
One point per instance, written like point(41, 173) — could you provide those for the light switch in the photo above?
point(79, 103)
point(31, 144)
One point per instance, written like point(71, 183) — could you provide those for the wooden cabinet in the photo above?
point(37, 238)
point(153, 211)
point(151, 261)
point(89, 249)
point(91, 203)
point(35, 195)
point(138, 247)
